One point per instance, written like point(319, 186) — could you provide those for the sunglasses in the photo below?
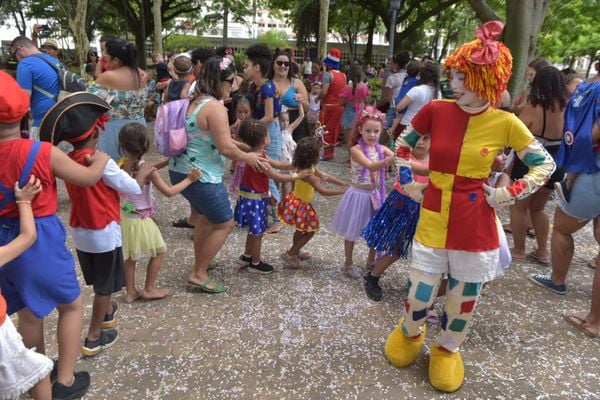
point(282, 63)
point(230, 80)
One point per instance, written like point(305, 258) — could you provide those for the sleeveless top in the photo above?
point(304, 190)
point(14, 154)
point(335, 87)
point(360, 178)
point(142, 201)
point(254, 180)
point(175, 88)
point(201, 152)
point(288, 98)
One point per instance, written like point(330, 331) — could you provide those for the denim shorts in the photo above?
point(583, 201)
point(208, 199)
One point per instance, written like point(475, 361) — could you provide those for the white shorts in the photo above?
point(464, 266)
point(20, 367)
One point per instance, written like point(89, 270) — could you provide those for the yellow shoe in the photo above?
point(446, 370)
point(401, 350)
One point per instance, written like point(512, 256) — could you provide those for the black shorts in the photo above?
point(519, 169)
point(106, 271)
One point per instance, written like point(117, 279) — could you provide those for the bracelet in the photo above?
point(23, 202)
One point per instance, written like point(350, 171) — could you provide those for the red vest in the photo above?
point(335, 87)
point(94, 207)
point(257, 181)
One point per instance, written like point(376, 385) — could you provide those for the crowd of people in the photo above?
point(455, 162)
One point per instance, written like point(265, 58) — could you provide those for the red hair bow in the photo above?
point(487, 35)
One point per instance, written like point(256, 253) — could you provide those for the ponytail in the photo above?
point(124, 52)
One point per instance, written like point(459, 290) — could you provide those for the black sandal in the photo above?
point(182, 223)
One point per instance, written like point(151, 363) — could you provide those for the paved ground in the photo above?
point(314, 334)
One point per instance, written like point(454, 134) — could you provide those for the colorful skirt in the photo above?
point(392, 229)
point(251, 210)
point(293, 211)
point(353, 213)
point(141, 237)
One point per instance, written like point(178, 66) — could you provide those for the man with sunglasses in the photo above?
point(37, 78)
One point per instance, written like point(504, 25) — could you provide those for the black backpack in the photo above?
point(68, 81)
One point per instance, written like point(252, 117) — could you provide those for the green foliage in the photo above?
point(180, 43)
point(274, 39)
point(375, 86)
point(570, 30)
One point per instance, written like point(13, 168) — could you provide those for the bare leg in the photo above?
point(562, 245)
point(300, 240)
point(31, 328)
point(383, 264)
point(253, 243)
point(348, 250)
point(540, 221)
point(519, 222)
point(100, 307)
point(70, 322)
point(132, 292)
point(371, 257)
point(208, 240)
point(593, 317)
point(42, 390)
point(193, 219)
point(151, 292)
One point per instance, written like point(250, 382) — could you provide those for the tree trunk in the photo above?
point(323, 19)
point(225, 22)
point(157, 15)
point(141, 45)
point(20, 22)
point(524, 21)
point(371, 31)
point(76, 11)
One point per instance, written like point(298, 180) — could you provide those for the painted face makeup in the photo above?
point(462, 95)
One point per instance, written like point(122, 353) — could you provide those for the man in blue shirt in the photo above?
point(37, 78)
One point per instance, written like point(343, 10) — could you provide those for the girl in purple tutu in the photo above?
point(368, 161)
point(252, 206)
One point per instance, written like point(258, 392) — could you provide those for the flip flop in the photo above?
point(275, 231)
point(531, 232)
point(534, 257)
point(592, 263)
point(182, 223)
point(204, 286)
point(579, 322)
point(515, 257)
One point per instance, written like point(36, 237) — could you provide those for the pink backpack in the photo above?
point(170, 135)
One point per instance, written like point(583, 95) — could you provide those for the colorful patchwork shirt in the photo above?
point(454, 212)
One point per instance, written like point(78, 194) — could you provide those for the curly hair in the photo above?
point(548, 89)
point(261, 55)
point(253, 133)
point(307, 153)
point(209, 82)
point(133, 139)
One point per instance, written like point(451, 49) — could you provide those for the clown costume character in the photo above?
point(457, 232)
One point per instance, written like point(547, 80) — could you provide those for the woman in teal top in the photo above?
point(207, 124)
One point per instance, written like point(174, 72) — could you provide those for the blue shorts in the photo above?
point(44, 275)
point(208, 199)
point(583, 201)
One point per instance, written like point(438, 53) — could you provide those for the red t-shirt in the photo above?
point(13, 155)
point(256, 181)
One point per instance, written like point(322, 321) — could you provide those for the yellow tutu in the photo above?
point(141, 237)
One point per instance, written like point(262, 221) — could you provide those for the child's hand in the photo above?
point(194, 174)
point(144, 170)
point(97, 157)
point(304, 173)
point(33, 187)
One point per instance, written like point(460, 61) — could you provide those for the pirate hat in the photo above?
point(73, 118)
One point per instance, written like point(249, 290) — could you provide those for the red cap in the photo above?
point(14, 101)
